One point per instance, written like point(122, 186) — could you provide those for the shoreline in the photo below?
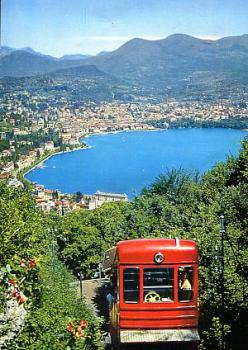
point(23, 175)
point(83, 148)
point(84, 137)
point(120, 131)
point(101, 134)
point(50, 156)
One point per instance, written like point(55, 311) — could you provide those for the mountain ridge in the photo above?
point(149, 63)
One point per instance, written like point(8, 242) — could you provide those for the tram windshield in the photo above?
point(158, 285)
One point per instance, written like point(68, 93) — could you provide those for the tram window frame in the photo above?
point(114, 282)
point(136, 291)
point(186, 295)
point(156, 289)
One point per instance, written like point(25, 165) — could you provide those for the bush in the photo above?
point(59, 319)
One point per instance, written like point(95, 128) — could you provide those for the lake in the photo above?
point(126, 162)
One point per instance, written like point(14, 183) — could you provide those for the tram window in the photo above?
point(185, 283)
point(158, 285)
point(131, 285)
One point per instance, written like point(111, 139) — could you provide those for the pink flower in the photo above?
point(15, 293)
point(23, 263)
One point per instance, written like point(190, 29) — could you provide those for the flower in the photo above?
point(32, 263)
point(15, 293)
point(21, 299)
point(83, 324)
point(70, 327)
point(11, 282)
point(23, 263)
point(80, 332)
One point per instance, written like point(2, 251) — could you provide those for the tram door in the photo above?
point(114, 308)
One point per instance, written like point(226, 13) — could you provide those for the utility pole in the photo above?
point(81, 276)
point(222, 278)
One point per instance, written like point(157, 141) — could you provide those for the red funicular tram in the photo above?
point(153, 291)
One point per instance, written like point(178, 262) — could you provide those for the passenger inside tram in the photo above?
point(185, 292)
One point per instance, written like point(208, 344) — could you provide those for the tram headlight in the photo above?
point(159, 258)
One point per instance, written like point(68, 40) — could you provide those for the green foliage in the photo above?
point(83, 236)
point(175, 205)
point(178, 204)
point(213, 337)
point(174, 185)
point(30, 269)
point(239, 122)
point(57, 305)
point(21, 239)
point(4, 144)
point(21, 226)
point(19, 282)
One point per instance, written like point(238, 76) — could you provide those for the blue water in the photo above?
point(127, 162)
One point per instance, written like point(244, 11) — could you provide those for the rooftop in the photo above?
point(143, 250)
point(109, 194)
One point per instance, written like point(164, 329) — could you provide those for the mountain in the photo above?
point(79, 71)
point(233, 42)
point(20, 63)
point(74, 57)
point(176, 58)
point(30, 50)
point(76, 85)
point(87, 83)
point(177, 62)
point(5, 50)
point(102, 53)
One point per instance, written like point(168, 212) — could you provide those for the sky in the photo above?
point(58, 27)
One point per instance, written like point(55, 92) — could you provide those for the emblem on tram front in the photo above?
point(159, 258)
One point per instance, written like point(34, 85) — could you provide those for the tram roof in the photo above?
point(143, 251)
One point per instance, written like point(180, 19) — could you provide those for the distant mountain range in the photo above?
point(74, 57)
point(26, 62)
point(178, 60)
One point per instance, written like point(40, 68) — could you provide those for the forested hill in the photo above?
point(178, 62)
point(42, 248)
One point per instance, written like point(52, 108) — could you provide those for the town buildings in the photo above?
point(36, 125)
point(52, 200)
